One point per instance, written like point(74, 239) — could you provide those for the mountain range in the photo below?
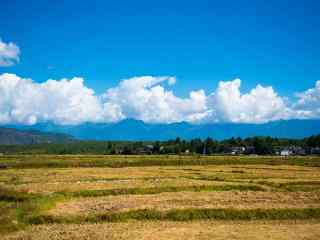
point(11, 136)
point(134, 130)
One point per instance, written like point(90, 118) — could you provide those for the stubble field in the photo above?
point(159, 197)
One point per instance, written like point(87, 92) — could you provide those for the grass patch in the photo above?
point(238, 171)
point(186, 215)
point(304, 186)
point(9, 217)
point(156, 190)
point(207, 178)
point(65, 161)
point(301, 186)
point(16, 207)
point(13, 196)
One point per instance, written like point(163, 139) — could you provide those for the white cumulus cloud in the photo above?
point(147, 98)
point(308, 103)
point(9, 54)
point(144, 98)
point(63, 102)
point(260, 105)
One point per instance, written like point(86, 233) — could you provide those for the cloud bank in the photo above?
point(308, 104)
point(260, 105)
point(146, 98)
point(9, 54)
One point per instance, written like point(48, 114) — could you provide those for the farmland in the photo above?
point(159, 197)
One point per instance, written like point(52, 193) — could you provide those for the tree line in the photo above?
point(252, 145)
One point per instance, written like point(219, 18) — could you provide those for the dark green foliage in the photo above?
point(313, 141)
point(262, 146)
point(255, 145)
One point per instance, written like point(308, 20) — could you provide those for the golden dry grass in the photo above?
point(67, 179)
point(109, 184)
point(201, 230)
point(184, 200)
point(305, 194)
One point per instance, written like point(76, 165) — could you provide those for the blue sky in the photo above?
point(272, 43)
point(200, 42)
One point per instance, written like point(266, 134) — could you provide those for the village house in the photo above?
point(237, 150)
point(285, 152)
point(292, 150)
point(148, 149)
point(315, 150)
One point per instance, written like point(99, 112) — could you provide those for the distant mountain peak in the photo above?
point(131, 129)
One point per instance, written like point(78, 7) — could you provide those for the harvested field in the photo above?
point(186, 200)
point(203, 230)
point(109, 184)
point(159, 197)
point(72, 179)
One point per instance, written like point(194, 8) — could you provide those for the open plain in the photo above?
point(159, 197)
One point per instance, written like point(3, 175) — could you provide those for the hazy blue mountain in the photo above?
point(11, 136)
point(138, 130)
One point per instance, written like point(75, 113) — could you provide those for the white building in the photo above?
point(285, 152)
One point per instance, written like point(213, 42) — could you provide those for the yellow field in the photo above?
point(201, 230)
point(186, 200)
point(232, 199)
